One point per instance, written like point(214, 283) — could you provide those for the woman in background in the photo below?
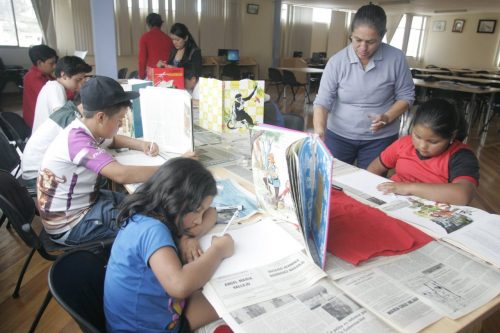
point(185, 51)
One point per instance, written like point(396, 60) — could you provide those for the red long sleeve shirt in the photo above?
point(154, 45)
point(33, 82)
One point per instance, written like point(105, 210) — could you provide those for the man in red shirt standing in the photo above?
point(154, 45)
point(44, 61)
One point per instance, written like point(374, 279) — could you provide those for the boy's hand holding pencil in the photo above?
point(150, 148)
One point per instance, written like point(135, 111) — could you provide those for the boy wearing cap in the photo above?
point(72, 208)
point(44, 60)
point(70, 75)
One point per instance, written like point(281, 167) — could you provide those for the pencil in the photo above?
point(235, 215)
point(151, 148)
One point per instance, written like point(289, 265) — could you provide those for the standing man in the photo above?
point(154, 45)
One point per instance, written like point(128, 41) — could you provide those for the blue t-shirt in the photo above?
point(134, 300)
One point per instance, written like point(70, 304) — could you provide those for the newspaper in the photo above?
point(413, 290)
point(228, 293)
point(319, 308)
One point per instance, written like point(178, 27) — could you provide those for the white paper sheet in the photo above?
point(255, 245)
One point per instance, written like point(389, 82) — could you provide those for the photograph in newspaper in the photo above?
point(319, 308)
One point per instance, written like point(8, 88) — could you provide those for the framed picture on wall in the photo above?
point(486, 26)
point(438, 26)
point(458, 25)
point(252, 9)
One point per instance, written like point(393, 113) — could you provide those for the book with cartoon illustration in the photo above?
point(292, 175)
point(230, 106)
point(468, 228)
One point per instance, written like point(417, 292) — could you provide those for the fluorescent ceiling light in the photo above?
point(394, 2)
point(450, 11)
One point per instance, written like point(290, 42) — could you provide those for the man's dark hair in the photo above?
point(41, 52)
point(154, 20)
point(71, 65)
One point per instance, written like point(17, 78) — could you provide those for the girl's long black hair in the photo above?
point(177, 188)
point(443, 118)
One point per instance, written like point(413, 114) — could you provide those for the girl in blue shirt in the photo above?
point(147, 287)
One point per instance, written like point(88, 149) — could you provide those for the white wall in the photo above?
point(257, 35)
point(467, 49)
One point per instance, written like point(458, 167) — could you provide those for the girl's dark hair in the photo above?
point(372, 16)
point(180, 30)
point(41, 52)
point(154, 20)
point(177, 188)
point(71, 65)
point(442, 118)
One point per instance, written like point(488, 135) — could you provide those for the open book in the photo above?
point(468, 228)
point(292, 174)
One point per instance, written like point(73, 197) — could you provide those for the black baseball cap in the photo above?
point(101, 92)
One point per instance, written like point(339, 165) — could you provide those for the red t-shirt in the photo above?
point(154, 45)
point(456, 162)
point(33, 82)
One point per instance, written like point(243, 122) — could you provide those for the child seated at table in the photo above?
point(147, 287)
point(432, 162)
point(72, 208)
point(44, 60)
point(70, 75)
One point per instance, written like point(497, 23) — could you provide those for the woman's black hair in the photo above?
point(154, 20)
point(442, 118)
point(372, 16)
point(180, 30)
point(177, 188)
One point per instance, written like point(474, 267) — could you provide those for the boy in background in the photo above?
point(43, 137)
point(44, 61)
point(72, 208)
point(70, 74)
point(191, 79)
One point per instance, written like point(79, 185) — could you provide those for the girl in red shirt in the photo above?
point(431, 162)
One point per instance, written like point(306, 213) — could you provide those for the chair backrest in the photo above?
point(274, 74)
point(10, 159)
point(289, 78)
point(294, 121)
point(15, 128)
point(232, 71)
point(76, 280)
point(18, 206)
point(133, 75)
point(122, 73)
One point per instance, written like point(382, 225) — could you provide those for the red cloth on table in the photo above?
point(358, 232)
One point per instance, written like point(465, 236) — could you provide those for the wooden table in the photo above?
point(484, 76)
point(472, 80)
point(308, 71)
point(474, 91)
point(443, 71)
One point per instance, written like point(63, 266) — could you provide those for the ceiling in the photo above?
point(426, 7)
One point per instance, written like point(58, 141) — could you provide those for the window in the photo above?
point(412, 45)
point(416, 36)
point(397, 39)
point(321, 15)
point(18, 24)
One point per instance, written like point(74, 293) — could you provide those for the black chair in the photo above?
point(275, 79)
point(133, 75)
point(294, 121)
point(231, 70)
point(19, 208)
point(122, 73)
point(15, 128)
point(10, 160)
point(76, 280)
point(431, 66)
point(12, 73)
point(290, 80)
